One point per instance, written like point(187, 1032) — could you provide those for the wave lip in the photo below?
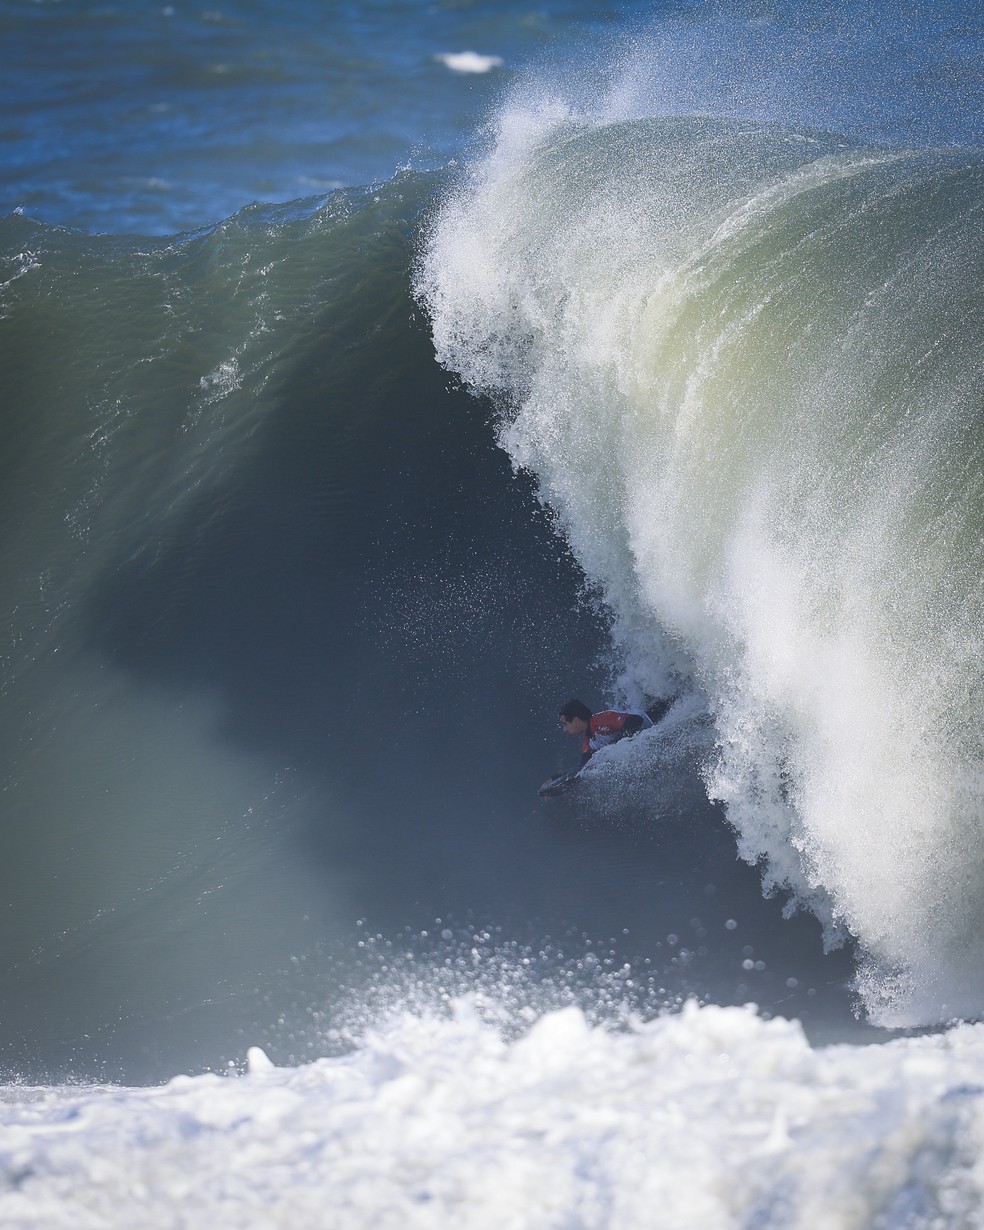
point(739, 359)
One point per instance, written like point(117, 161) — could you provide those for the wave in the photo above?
point(742, 361)
point(285, 637)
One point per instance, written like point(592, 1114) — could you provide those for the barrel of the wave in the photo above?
point(741, 362)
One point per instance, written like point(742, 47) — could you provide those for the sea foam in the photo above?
point(707, 1118)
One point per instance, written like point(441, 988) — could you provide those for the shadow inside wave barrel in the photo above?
point(693, 911)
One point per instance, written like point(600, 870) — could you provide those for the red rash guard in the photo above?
point(609, 727)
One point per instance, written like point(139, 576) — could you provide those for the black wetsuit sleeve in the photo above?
point(633, 724)
point(660, 710)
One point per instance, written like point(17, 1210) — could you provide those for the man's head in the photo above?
point(574, 718)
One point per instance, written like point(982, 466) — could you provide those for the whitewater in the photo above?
point(743, 362)
point(439, 1123)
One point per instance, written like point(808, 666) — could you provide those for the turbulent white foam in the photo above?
point(469, 61)
point(740, 361)
point(708, 1118)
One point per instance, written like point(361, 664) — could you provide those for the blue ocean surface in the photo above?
point(374, 377)
point(157, 118)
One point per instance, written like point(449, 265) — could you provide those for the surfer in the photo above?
point(595, 730)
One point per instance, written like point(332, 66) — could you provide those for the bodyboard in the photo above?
point(559, 785)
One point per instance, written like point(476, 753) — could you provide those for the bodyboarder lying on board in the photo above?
point(595, 730)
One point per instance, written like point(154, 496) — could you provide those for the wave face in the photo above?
point(743, 362)
point(187, 561)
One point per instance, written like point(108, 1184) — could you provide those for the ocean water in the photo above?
point(375, 377)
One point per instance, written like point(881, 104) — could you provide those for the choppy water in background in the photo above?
point(157, 118)
point(285, 630)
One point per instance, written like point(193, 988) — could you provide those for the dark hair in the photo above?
point(575, 709)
